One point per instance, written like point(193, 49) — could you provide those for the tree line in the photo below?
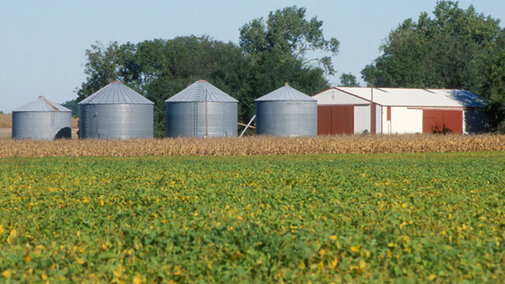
point(454, 48)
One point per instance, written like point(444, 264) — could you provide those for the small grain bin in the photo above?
point(201, 110)
point(116, 112)
point(41, 120)
point(286, 112)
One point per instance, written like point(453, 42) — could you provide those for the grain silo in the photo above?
point(201, 110)
point(41, 119)
point(116, 112)
point(286, 112)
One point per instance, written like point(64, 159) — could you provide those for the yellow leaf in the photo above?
point(432, 277)
point(355, 248)
point(333, 237)
point(362, 264)
point(137, 280)
point(43, 277)
point(7, 273)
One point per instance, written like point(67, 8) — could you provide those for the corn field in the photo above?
point(235, 146)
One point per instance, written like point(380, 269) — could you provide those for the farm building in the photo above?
point(346, 110)
point(116, 112)
point(41, 120)
point(201, 110)
point(286, 112)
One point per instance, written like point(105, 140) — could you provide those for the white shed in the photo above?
point(346, 110)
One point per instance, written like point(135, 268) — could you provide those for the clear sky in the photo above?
point(43, 42)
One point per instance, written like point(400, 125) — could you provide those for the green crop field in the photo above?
point(320, 218)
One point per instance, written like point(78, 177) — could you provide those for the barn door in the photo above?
point(336, 119)
point(443, 121)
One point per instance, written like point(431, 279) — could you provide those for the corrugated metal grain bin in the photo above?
point(116, 112)
point(201, 110)
point(286, 112)
point(41, 120)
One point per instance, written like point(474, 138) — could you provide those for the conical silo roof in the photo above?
point(41, 104)
point(285, 93)
point(116, 93)
point(198, 91)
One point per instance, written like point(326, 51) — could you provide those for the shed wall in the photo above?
point(333, 119)
point(361, 119)
point(406, 120)
point(442, 121)
point(337, 97)
point(475, 121)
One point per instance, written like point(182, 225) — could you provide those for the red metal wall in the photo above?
point(335, 119)
point(443, 121)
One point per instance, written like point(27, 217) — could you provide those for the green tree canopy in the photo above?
point(451, 50)
point(348, 80)
point(289, 35)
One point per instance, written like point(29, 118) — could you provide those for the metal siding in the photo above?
point(116, 93)
point(286, 118)
point(406, 120)
point(201, 91)
point(116, 121)
point(323, 120)
point(378, 119)
point(188, 119)
point(336, 97)
point(41, 125)
point(285, 93)
point(442, 121)
point(335, 120)
point(361, 119)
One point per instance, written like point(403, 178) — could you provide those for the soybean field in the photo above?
point(322, 218)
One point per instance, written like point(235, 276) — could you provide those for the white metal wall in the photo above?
point(361, 119)
point(378, 119)
point(406, 120)
point(336, 97)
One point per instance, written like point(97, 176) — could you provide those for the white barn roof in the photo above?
point(285, 93)
point(416, 97)
point(201, 91)
point(41, 104)
point(116, 93)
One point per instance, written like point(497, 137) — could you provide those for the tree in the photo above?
point(451, 50)
point(288, 34)
point(278, 50)
point(348, 80)
point(72, 105)
point(494, 92)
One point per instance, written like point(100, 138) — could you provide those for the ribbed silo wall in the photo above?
point(41, 125)
point(189, 119)
point(115, 121)
point(286, 118)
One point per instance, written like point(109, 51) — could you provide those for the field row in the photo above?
point(411, 217)
point(235, 146)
